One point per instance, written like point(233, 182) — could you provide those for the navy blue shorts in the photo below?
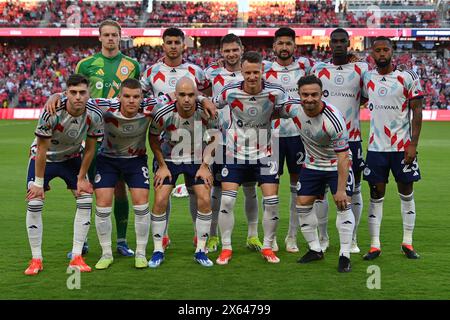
point(378, 165)
point(313, 182)
point(292, 151)
point(357, 156)
point(133, 170)
point(66, 170)
point(189, 170)
point(263, 171)
point(216, 167)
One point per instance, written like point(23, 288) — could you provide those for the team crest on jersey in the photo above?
point(224, 172)
point(124, 70)
point(99, 85)
point(72, 133)
point(253, 111)
point(97, 178)
point(285, 78)
point(128, 128)
point(172, 82)
point(339, 80)
point(382, 91)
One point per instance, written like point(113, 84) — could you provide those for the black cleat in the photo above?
point(372, 254)
point(311, 255)
point(344, 264)
point(409, 251)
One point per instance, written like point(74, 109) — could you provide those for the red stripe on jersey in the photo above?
point(219, 79)
point(149, 72)
point(272, 98)
point(352, 133)
point(298, 123)
point(160, 76)
point(88, 120)
point(358, 96)
point(324, 72)
point(400, 145)
point(224, 95)
point(371, 85)
point(357, 133)
point(387, 131)
point(404, 105)
point(301, 65)
point(371, 139)
point(400, 79)
point(272, 73)
point(357, 69)
point(59, 127)
point(172, 127)
point(113, 121)
point(349, 124)
point(393, 139)
point(237, 104)
point(277, 123)
point(191, 70)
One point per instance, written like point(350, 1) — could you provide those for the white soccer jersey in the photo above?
point(389, 95)
point(250, 132)
point(182, 139)
point(287, 77)
point(161, 79)
point(67, 132)
point(125, 137)
point(323, 135)
point(342, 86)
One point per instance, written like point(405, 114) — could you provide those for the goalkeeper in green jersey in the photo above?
point(106, 71)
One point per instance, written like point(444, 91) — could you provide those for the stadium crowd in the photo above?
point(296, 13)
point(33, 73)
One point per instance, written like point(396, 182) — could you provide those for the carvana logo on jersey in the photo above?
point(339, 80)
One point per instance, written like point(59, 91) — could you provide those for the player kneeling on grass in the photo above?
point(180, 151)
point(325, 137)
point(57, 152)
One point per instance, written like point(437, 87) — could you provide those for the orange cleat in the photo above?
point(224, 257)
point(165, 242)
point(34, 267)
point(269, 255)
point(78, 263)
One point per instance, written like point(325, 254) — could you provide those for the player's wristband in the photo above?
point(38, 182)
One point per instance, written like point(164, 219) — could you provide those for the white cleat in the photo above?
point(324, 244)
point(354, 248)
point(291, 244)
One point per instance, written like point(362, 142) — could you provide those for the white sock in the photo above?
point(293, 216)
point(408, 207)
point(103, 225)
point(202, 226)
point(270, 220)
point(345, 223)
point(192, 205)
point(82, 222)
point(321, 210)
point(35, 227)
point(142, 228)
point(251, 208)
point(374, 221)
point(216, 196)
point(158, 223)
point(308, 226)
point(226, 217)
point(168, 209)
point(357, 207)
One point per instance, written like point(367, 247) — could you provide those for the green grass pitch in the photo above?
point(247, 276)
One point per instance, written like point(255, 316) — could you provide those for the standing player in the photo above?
point(182, 119)
point(231, 49)
point(393, 96)
point(56, 152)
point(252, 102)
point(162, 77)
point(106, 70)
point(342, 86)
point(327, 162)
point(286, 72)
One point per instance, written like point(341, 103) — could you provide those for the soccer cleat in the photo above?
point(156, 259)
point(224, 257)
point(165, 242)
point(344, 264)
point(253, 243)
point(275, 245)
point(372, 254)
point(122, 248)
point(84, 251)
point(291, 244)
point(202, 259)
point(270, 256)
point(409, 251)
point(34, 267)
point(78, 263)
point(213, 244)
point(311, 255)
point(104, 263)
point(324, 244)
point(140, 262)
point(354, 248)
